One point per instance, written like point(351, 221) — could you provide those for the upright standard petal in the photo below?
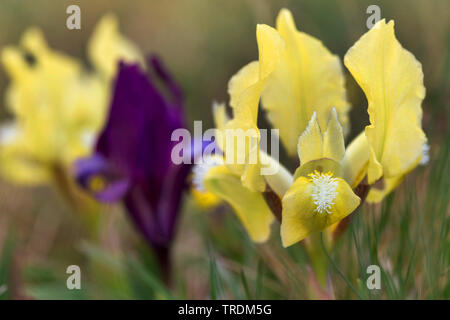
point(310, 142)
point(392, 80)
point(245, 90)
point(308, 78)
point(313, 145)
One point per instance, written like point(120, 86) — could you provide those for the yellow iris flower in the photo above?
point(319, 196)
point(301, 86)
point(57, 106)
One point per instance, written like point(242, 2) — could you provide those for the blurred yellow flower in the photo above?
point(57, 105)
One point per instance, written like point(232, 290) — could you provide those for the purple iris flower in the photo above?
point(132, 159)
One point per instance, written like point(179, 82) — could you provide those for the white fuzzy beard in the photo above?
point(324, 191)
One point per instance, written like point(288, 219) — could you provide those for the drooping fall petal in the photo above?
point(313, 204)
point(249, 206)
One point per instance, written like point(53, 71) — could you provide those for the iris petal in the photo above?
point(250, 206)
point(300, 214)
point(392, 80)
point(97, 167)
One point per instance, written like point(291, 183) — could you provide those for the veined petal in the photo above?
point(310, 143)
point(392, 80)
point(249, 206)
point(313, 204)
point(333, 139)
point(308, 78)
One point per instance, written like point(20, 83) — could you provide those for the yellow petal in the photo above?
point(298, 212)
point(107, 46)
point(376, 195)
point(308, 78)
point(40, 82)
point(275, 174)
point(300, 215)
point(252, 178)
point(220, 120)
point(239, 83)
point(56, 107)
point(270, 48)
point(246, 85)
point(249, 206)
point(60, 64)
point(15, 65)
point(205, 200)
point(310, 143)
point(15, 164)
point(245, 91)
point(356, 159)
point(392, 80)
point(333, 139)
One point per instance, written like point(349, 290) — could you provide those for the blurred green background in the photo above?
point(204, 43)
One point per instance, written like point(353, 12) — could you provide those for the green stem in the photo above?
point(319, 261)
point(324, 249)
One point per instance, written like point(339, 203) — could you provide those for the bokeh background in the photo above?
point(204, 43)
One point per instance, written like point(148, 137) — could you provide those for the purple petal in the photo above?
point(165, 76)
point(137, 134)
point(115, 184)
